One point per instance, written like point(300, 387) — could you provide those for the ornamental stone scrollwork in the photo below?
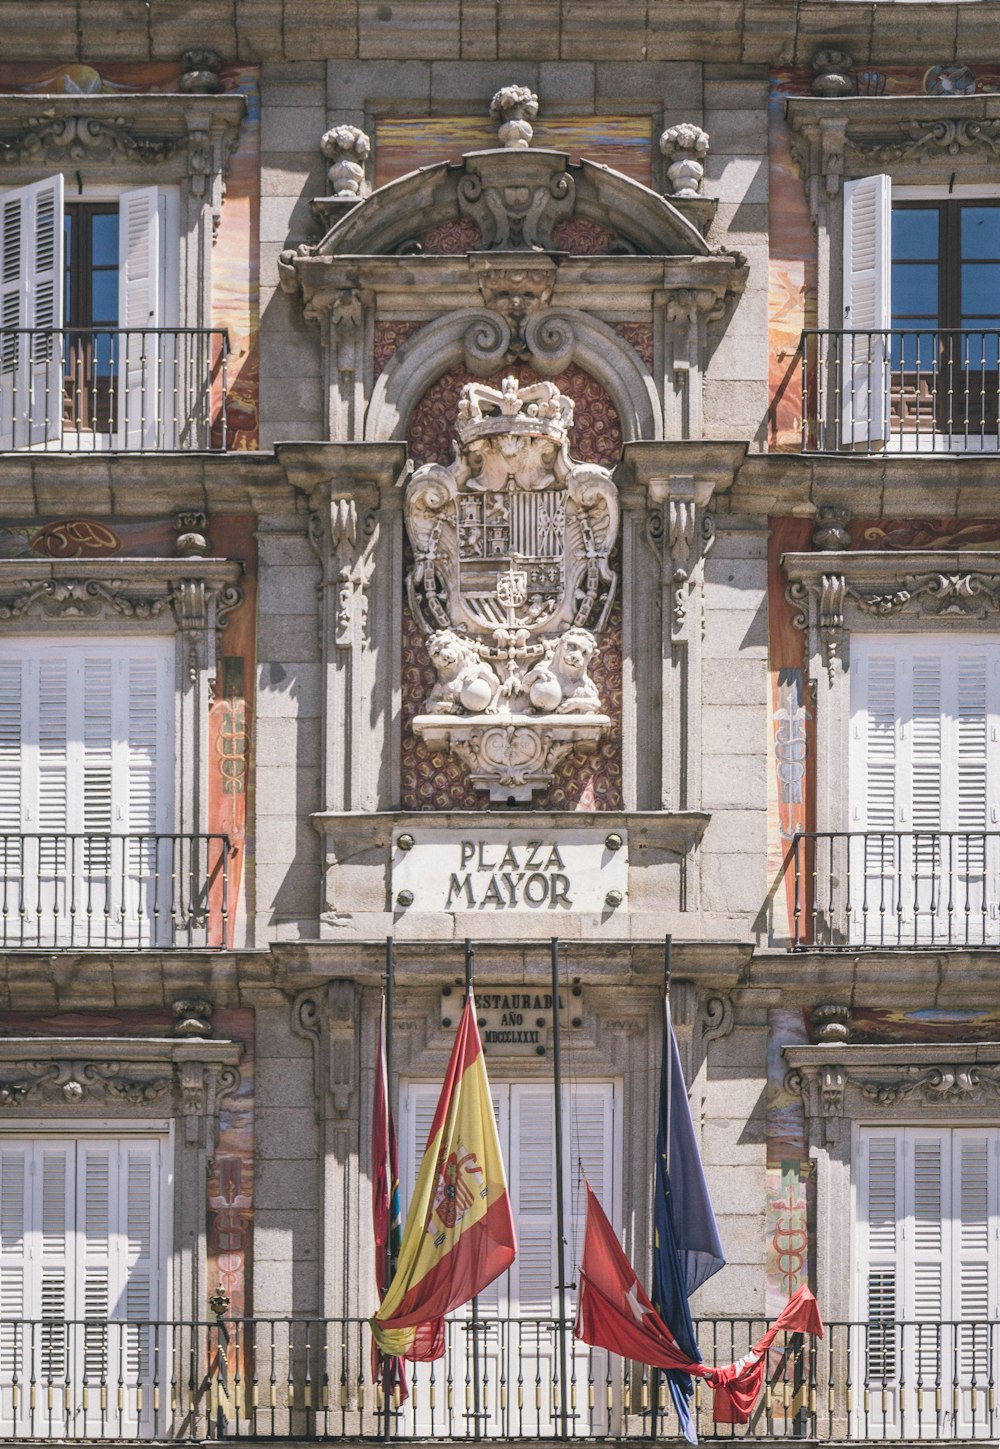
point(192, 1076)
point(326, 1017)
point(511, 584)
point(839, 1083)
point(936, 1084)
point(345, 546)
point(952, 138)
point(516, 212)
point(79, 138)
point(837, 589)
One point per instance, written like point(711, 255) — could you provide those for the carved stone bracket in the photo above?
point(125, 1072)
point(839, 1083)
point(345, 547)
point(951, 585)
point(681, 531)
point(326, 1017)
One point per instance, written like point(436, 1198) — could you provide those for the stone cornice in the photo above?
point(951, 584)
point(162, 135)
point(712, 465)
point(199, 593)
point(916, 137)
point(890, 1081)
point(341, 467)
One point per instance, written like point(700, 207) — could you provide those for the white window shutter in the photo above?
point(880, 1205)
point(11, 725)
point(531, 1168)
point(15, 1270)
point(867, 309)
point(31, 297)
point(140, 312)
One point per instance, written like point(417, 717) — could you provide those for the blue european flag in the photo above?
point(686, 1246)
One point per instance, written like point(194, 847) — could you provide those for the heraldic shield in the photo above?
point(511, 584)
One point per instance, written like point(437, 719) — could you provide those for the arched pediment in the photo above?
point(515, 199)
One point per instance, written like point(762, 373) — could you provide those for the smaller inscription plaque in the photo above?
point(489, 871)
point(513, 1021)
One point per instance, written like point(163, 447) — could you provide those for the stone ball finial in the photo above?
point(685, 147)
point(348, 148)
point(513, 108)
point(831, 78)
point(200, 71)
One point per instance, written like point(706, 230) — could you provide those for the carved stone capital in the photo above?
point(348, 148)
point(515, 756)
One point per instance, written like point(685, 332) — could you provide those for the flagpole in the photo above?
point(560, 1206)
point(390, 982)
point(668, 1069)
point(477, 1433)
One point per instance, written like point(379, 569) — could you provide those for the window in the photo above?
point(922, 317)
point(86, 792)
point(925, 784)
point(927, 1277)
point(83, 1241)
point(96, 356)
point(517, 1342)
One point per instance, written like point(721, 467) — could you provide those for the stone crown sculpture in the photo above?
point(511, 583)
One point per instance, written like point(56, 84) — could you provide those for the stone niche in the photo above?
point(511, 586)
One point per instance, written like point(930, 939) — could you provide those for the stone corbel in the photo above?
point(326, 1017)
point(345, 546)
point(818, 149)
point(682, 531)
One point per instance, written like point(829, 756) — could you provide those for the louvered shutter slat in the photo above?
point(31, 297)
point(139, 312)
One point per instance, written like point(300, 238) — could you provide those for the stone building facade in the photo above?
point(494, 473)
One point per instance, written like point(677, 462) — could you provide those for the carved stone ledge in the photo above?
point(158, 137)
point(920, 138)
point(512, 756)
point(836, 590)
point(838, 1082)
point(117, 1072)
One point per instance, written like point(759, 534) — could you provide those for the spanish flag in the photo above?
point(459, 1232)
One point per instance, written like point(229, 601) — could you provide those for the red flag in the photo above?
point(385, 1208)
point(613, 1310)
point(615, 1313)
point(738, 1386)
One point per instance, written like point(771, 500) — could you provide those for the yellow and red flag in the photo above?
point(459, 1232)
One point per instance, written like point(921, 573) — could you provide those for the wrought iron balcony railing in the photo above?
point(896, 889)
point(912, 390)
point(270, 1378)
point(98, 389)
point(104, 892)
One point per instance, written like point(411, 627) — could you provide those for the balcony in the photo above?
point(96, 390)
point(69, 892)
point(880, 890)
point(913, 390)
point(270, 1378)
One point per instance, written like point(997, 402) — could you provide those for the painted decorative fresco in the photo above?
point(235, 265)
point(404, 143)
point(791, 773)
point(792, 244)
point(230, 1180)
point(432, 778)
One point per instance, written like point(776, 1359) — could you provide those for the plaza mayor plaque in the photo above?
point(488, 871)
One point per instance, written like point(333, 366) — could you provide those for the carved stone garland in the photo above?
point(511, 583)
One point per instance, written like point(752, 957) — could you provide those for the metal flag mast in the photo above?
point(390, 1257)
point(477, 1432)
point(659, 1387)
point(560, 1204)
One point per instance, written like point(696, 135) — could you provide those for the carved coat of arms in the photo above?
point(511, 585)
